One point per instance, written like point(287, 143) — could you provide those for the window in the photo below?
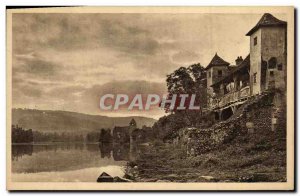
point(219, 73)
point(255, 41)
point(209, 74)
point(254, 78)
point(272, 73)
point(272, 63)
point(279, 67)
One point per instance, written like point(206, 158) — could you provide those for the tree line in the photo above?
point(20, 135)
point(103, 136)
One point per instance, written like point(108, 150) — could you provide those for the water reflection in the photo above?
point(67, 156)
point(106, 149)
point(19, 150)
point(119, 152)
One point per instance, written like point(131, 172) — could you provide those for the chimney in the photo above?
point(239, 60)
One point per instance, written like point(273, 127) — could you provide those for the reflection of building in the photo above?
point(105, 149)
point(121, 152)
point(263, 69)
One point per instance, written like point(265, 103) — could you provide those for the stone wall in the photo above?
point(198, 141)
point(256, 115)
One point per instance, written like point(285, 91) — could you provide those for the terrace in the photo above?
point(231, 98)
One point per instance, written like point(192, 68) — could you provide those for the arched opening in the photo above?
point(272, 63)
point(226, 113)
point(264, 67)
point(217, 117)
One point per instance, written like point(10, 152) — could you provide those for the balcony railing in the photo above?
point(230, 98)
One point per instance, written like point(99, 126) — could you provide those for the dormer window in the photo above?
point(255, 41)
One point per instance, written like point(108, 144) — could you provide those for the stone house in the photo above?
point(123, 134)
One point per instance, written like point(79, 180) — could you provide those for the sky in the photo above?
point(68, 61)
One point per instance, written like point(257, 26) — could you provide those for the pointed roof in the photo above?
point(217, 61)
point(267, 20)
point(242, 66)
point(132, 122)
point(105, 175)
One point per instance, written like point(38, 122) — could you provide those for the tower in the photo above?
point(132, 124)
point(132, 127)
point(215, 70)
point(268, 54)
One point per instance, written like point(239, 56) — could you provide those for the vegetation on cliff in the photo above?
point(248, 157)
point(185, 80)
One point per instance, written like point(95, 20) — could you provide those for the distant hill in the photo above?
point(58, 121)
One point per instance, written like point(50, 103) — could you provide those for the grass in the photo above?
point(251, 157)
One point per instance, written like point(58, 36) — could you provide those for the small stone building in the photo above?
point(123, 134)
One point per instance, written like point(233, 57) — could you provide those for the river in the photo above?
point(66, 162)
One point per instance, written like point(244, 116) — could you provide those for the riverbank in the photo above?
point(247, 158)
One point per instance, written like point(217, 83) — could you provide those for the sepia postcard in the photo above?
point(150, 98)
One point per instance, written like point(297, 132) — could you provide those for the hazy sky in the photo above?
point(67, 61)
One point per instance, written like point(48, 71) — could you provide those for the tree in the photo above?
point(105, 136)
point(198, 74)
point(191, 80)
point(180, 81)
point(167, 126)
point(19, 135)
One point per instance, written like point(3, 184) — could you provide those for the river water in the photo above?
point(68, 162)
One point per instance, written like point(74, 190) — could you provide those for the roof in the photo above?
point(243, 65)
point(217, 61)
point(266, 20)
point(132, 122)
point(231, 67)
point(105, 175)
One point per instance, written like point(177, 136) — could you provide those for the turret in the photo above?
point(215, 70)
point(132, 123)
point(267, 54)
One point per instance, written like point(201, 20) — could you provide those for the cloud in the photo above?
point(90, 97)
point(80, 98)
point(129, 87)
point(128, 38)
point(31, 91)
point(38, 67)
point(66, 61)
point(83, 31)
point(66, 93)
point(33, 66)
point(185, 56)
